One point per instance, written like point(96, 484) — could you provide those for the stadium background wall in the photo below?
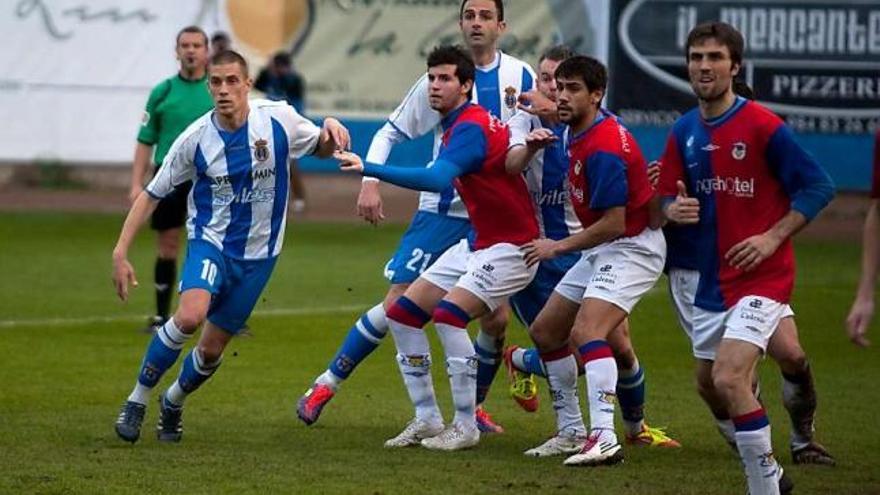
point(78, 71)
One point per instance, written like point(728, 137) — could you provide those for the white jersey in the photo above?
point(547, 178)
point(238, 200)
point(496, 88)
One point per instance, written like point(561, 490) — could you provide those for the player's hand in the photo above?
point(539, 250)
point(123, 274)
point(369, 204)
point(348, 161)
point(337, 133)
point(683, 210)
point(536, 103)
point(654, 173)
point(860, 316)
point(748, 254)
point(540, 138)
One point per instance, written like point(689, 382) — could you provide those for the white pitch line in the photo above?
point(45, 322)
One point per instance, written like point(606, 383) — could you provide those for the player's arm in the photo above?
point(807, 184)
point(464, 153)
point(606, 176)
point(525, 142)
point(176, 169)
point(413, 118)
point(862, 311)
point(334, 136)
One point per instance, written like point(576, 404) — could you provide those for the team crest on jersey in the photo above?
point(510, 97)
point(739, 150)
point(145, 118)
point(261, 150)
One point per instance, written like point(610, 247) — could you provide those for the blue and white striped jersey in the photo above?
point(546, 177)
point(496, 88)
point(238, 200)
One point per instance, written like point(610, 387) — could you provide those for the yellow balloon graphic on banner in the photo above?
point(267, 26)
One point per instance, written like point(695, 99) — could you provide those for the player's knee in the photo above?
point(188, 318)
point(729, 383)
point(211, 352)
point(495, 323)
point(791, 359)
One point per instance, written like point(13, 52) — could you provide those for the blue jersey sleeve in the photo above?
point(804, 180)
point(434, 179)
point(606, 175)
point(528, 82)
point(466, 147)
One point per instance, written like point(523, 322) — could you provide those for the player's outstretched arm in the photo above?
point(435, 179)
point(610, 226)
point(862, 311)
point(537, 104)
point(123, 272)
point(142, 155)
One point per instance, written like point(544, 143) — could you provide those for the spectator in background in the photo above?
point(279, 81)
point(220, 42)
point(862, 311)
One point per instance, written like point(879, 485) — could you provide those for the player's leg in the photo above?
point(242, 283)
point(798, 394)
point(489, 346)
point(623, 271)
point(406, 319)
point(486, 280)
point(748, 328)
point(550, 332)
point(427, 238)
point(166, 344)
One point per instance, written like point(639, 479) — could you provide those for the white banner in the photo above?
point(77, 72)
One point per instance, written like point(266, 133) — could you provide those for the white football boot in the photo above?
point(414, 432)
point(601, 449)
point(563, 443)
point(456, 436)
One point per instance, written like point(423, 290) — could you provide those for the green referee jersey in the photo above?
point(173, 105)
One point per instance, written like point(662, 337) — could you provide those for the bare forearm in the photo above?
point(870, 252)
point(605, 230)
point(141, 209)
point(142, 155)
point(518, 158)
point(788, 226)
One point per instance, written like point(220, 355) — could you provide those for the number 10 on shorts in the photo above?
point(209, 271)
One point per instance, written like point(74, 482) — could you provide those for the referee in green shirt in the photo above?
point(172, 106)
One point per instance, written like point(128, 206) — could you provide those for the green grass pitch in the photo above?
point(70, 353)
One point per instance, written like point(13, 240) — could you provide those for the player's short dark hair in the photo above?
point(453, 55)
point(722, 32)
point(281, 59)
point(191, 29)
point(588, 69)
point(499, 6)
point(557, 53)
point(743, 89)
point(230, 57)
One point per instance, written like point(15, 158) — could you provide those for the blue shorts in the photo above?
point(429, 235)
point(235, 285)
point(528, 302)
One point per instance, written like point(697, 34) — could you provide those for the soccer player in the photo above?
point(441, 220)
point(862, 311)
point(238, 158)
point(475, 276)
point(733, 168)
point(798, 389)
point(173, 105)
point(621, 259)
point(546, 166)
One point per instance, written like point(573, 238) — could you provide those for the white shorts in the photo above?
point(706, 334)
point(492, 274)
point(620, 271)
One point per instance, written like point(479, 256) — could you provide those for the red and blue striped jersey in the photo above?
point(498, 203)
point(606, 170)
point(748, 172)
